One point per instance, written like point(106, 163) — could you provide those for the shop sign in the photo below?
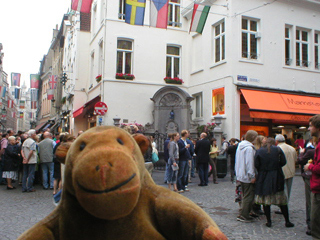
point(242, 78)
point(254, 80)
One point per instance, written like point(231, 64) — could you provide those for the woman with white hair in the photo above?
point(11, 162)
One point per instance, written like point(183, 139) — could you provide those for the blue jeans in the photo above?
point(28, 177)
point(45, 168)
point(193, 166)
point(203, 173)
point(171, 175)
point(182, 175)
point(166, 173)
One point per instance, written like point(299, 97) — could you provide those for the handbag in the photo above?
point(154, 157)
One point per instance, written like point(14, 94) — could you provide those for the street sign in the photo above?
point(100, 108)
point(100, 120)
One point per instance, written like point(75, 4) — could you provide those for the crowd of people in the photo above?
point(261, 167)
point(29, 157)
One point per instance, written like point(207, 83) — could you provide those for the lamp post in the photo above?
point(217, 131)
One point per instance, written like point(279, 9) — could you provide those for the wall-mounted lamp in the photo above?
point(64, 79)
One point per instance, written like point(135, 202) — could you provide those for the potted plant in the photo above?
point(98, 78)
point(125, 76)
point(171, 80)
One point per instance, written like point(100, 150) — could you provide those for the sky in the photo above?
point(26, 29)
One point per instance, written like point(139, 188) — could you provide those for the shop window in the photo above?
point(124, 56)
point(219, 41)
point(173, 62)
point(288, 46)
point(250, 38)
point(198, 105)
point(302, 48)
point(122, 9)
point(218, 101)
point(174, 13)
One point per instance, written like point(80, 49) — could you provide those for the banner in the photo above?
point(10, 103)
point(17, 93)
point(135, 11)
point(50, 94)
point(83, 6)
point(33, 104)
point(21, 114)
point(3, 91)
point(22, 104)
point(15, 79)
point(34, 94)
point(53, 81)
point(34, 81)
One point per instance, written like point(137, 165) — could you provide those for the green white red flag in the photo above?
point(199, 17)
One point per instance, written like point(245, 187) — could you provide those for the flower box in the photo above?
point(98, 78)
point(173, 80)
point(125, 76)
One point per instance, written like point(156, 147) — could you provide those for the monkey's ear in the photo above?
point(61, 152)
point(142, 141)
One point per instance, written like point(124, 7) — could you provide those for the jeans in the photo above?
point(247, 199)
point(28, 177)
point(182, 181)
point(166, 173)
point(307, 193)
point(45, 168)
point(203, 173)
point(315, 212)
point(193, 166)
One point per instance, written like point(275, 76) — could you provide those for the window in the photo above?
point(302, 48)
point(219, 42)
point(124, 56)
point(288, 51)
point(198, 105)
point(100, 57)
point(316, 50)
point(122, 9)
point(174, 13)
point(92, 77)
point(250, 39)
point(173, 62)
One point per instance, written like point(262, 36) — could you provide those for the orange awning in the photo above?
point(282, 106)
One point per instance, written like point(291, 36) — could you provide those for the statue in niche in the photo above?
point(172, 114)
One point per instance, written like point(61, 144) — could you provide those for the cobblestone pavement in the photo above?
point(20, 211)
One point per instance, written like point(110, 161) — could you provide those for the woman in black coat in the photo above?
point(269, 187)
point(11, 162)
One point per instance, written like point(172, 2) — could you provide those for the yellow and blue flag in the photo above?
point(135, 11)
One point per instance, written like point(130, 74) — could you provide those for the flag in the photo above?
point(21, 114)
point(17, 93)
point(50, 94)
point(135, 11)
point(15, 79)
point(159, 13)
point(34, 94)
point(3, 91)
point(22, 104)
point(83, 6)
point(53, 81)
point(30, 115)
point(33, 104)
point(199, 18)
point(34, 80)
point(14, 114)
point(10, 103)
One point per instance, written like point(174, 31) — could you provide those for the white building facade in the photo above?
point(250, 55)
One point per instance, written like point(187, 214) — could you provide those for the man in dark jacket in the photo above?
point(202, 151)
point(184, 157)
point(166, 157)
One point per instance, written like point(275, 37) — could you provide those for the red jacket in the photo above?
point(315, 169)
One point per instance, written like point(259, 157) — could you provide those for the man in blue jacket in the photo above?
point(184, 157)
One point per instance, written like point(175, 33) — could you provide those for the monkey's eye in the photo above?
point(120, 141)
point(82, 146)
